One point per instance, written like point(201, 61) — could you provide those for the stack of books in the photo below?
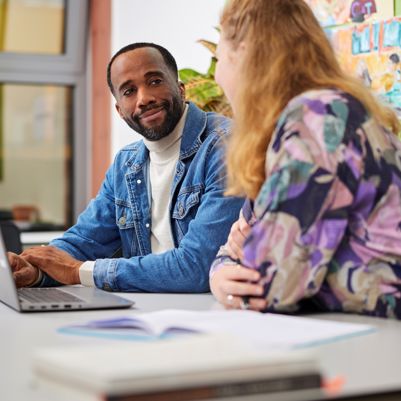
point(196, 367)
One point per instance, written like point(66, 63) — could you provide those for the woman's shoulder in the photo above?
point(321, 101)
point(324, 110)
point(314, 125)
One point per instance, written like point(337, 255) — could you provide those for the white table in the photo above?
point(369, 363)
point(33, 238)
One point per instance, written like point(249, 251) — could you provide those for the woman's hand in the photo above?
point(235, 287)
point(238, 233)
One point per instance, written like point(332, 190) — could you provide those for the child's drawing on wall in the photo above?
point(362, 9)
point(393, 89)
point(339, 12)
point(372, 52)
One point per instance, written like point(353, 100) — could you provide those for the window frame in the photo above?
point(67, 69)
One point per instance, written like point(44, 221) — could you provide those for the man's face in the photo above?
point(148, 96)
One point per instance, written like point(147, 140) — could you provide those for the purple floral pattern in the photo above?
point(328, 217)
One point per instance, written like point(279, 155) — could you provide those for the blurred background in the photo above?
point(58, 128)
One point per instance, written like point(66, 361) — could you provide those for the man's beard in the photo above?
point(174, 112)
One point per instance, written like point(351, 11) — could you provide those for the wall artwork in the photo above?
point(367, 39)
point(338, 12)
point(372, 51)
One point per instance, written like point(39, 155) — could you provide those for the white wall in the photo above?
point(174, 24)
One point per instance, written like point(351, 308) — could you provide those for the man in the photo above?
point(161, 203)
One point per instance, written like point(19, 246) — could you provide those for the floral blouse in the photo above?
point(328, 217)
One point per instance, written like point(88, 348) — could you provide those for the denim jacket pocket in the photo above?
point(124, 216)
point(186, 204)
point(125, 220)
point(184, 211)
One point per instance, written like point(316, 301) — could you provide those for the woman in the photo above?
point(318, 157)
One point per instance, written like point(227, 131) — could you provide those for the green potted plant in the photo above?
point(202, 89)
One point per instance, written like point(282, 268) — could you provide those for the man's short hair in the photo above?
point(167, 57)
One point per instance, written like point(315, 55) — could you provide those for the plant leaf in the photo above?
point(209, 45)
point(187, 74)
point(220, 106)
point(212, 68)
point(202, 91)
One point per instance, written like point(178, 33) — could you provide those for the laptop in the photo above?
point(64, 298)
point(11, 236)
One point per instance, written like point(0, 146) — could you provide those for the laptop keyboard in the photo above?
point(46, 295)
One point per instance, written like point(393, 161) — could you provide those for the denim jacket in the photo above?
point(119, 217)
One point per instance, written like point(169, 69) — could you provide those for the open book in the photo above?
point(267, 330)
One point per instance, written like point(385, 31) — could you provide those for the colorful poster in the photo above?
point(372, 51)
point(330, 12)
point(367, 40)
point(339, 12)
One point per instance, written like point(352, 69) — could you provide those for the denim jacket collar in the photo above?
point(194, 126)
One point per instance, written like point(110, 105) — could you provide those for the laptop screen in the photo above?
point(8, 290)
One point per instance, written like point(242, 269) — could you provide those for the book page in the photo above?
point(260, 329)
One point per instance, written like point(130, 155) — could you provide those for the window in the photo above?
point(32, 26)
point(43, 167)
point(36, 137)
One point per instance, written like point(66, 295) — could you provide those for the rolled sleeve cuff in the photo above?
point(104, 274)
point(86, 274)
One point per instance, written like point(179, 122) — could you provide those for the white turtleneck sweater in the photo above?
point(163, 157)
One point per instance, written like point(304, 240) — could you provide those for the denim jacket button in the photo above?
point(181, 210)
point(122, 220)
point(147, 225)
point(138, 181)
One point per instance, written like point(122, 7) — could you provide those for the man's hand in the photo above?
point(238, 233)
point(23, 272)
point(54, 262)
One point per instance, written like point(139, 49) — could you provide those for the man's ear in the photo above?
point(182, 89)
point(118, 110)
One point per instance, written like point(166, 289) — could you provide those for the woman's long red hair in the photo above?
point(287, 53)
